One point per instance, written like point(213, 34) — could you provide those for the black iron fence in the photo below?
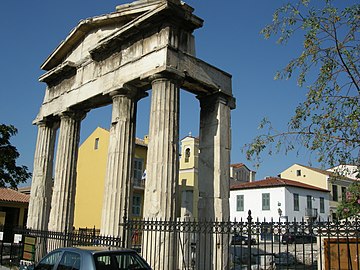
point(249, 244)
point(190, 244)
point(10, 253)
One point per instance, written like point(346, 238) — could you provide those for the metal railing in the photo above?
point(229, 245)
point(311, 212)
point(139, 183)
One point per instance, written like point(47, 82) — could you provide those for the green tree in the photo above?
point(327, 121)
point(351, 205)
point(10, 174)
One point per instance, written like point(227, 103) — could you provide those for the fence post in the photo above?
point(65, 233)
point(124, 239)
point(249, 218)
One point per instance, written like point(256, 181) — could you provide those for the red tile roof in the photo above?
point(237, 165)
point(274, 182)
point(10, 195)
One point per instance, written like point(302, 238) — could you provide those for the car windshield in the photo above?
point(49, 261)
point(120, 261)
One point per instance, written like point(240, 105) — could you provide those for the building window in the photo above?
point(183, 183)
point(96, 144)
point(187, 202)
point(296, 202)
point(309, 202)
point(266, 201)
point(136, 205)
point(335, 193)
point(187, 155)
point(240, 203)
point(138, 168)
point(343, 193)
point(322, 205)
point(298, 172)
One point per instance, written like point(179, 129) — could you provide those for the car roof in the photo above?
point(97, 249)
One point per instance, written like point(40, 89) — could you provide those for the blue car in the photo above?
point(91, 258)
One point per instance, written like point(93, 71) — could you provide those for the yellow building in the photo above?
point(91, 171)
point(13, 207)
point(188, 177)
point(13, 211)
point(337, 185)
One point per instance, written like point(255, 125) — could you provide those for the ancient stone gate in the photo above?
point(115, 59)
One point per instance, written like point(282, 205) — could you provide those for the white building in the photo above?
point(274, 198)
point(350, 171)
point(335, 182)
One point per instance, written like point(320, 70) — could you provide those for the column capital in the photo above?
point(48, 122)
point(176, 78)
point(76, 115)
point(218, 97)
point(128, 91)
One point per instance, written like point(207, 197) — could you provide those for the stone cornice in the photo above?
point(138, 5)
point(59, 73)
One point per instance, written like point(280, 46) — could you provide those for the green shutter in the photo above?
point(240, 203)
point(266, 201)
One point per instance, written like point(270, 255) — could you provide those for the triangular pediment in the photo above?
point(90, 31)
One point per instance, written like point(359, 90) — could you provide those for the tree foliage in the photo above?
point(10, 174)
point(327, 121)
point(351, 205)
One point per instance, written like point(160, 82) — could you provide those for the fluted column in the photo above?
point(63, 198)
point(40, 195)
point(214, 175)
point(163, 150)
point(118, 186)
point(162, 170)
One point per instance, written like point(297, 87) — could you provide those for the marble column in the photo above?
point(63, 198)
point(40, 195)
point(162, 169)
point(163, 150)
point(214, 175)
point(118, 186)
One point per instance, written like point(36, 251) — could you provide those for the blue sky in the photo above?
point(229, 39)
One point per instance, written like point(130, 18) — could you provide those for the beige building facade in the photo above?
point(336, 184)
